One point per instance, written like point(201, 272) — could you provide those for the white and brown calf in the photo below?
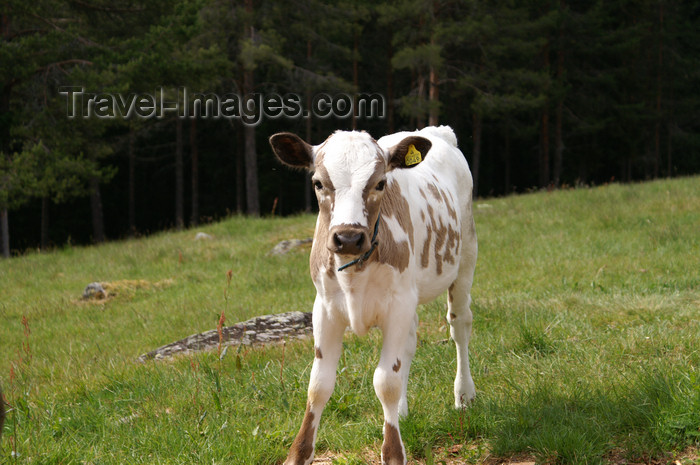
point(399, 212)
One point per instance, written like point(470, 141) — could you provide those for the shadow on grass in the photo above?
point(650, 417)
point(653, 414)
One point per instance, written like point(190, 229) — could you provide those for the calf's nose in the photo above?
point(350, 243)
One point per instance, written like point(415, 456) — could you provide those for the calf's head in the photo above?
point(349, 178)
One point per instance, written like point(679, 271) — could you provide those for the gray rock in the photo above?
point(202, 236)
point(94, 291)
point(261, 330)
point(285, 246)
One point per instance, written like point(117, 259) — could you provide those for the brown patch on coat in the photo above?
point(391, 252)
point(425, 255)
point(395, 204)
point(303, 445)
point(447, 239)
point(320, 255)
point(450, 293)
point(377, 175)
point(445, 235)
point(435, 192)
point(440, 237)
point(397, 366)
point(372, 198)
point(431, 214)
point(452, 245)
point(431, 225)
point(319, 354)
point(321, 151)
point(392, 449)
point(448, 203)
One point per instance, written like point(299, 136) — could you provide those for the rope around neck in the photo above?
point(361, 260)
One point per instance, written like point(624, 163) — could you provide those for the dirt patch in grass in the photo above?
point(690, 456)
point(100, 292)
point(455, 455)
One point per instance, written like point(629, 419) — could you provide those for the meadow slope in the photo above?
point(586, 344)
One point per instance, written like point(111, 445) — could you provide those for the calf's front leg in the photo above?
point(328, 342)
point(389, 378)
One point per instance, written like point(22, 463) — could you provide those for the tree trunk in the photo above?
point(544, 134)
point(433, 98)
point(476, 151)
point(132, 184)
point(44, 223)
point(240, 175)
point(420, 115)
point(251, 172)
point(669, 150)
point(307, 176)
point(194, 220)
point(506, 161)
point(5, 228)
point(355, 75)
point(179, 177)
point(559, 144)
point(559, 115)
point(98, 223)
point(4, 140)
point(250, 155)
point(544, 149)
point(659, 87)
point(433, 102)
point(390, 90)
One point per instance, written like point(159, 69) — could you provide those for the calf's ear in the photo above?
point(292, 150)
point(409, 152)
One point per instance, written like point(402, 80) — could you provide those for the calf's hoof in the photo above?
point(392, 448)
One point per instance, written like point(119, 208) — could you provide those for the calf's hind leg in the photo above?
point(459, 315)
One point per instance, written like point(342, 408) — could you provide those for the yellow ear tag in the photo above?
point(413, 156)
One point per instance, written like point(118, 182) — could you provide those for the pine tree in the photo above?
point(38, 53)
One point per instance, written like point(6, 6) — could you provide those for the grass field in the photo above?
point(586, 345)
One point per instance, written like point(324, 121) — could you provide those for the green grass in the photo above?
point(586, 344)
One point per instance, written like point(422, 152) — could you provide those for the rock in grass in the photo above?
point(267, 329)
point(106, 290)
point(94, 291)
point(202, 236)
point(285, 246)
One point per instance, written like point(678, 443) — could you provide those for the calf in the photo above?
point(394, 230)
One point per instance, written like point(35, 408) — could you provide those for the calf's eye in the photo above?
point(318, 185)
point(380, 185)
